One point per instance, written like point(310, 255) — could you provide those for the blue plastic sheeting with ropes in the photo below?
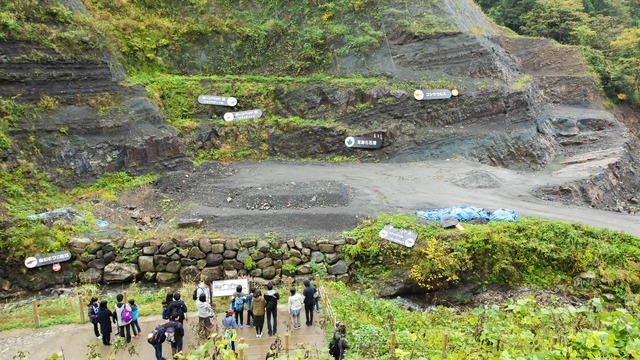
point(466, 213)
point(456, 212)
point(503, 214)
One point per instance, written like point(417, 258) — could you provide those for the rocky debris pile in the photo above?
point(477, 179)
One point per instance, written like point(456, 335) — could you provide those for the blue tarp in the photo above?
point(466, 213)
point(57, 214)
point(457, 212)
point(503, 214)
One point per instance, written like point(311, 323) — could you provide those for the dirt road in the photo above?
point(73, 341)
point(320, 199)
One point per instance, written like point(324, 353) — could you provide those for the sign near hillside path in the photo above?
point(399, 236)
point(42, 260)
point(217, 100)
point(432, 94)
point(363, 142)
point(228, 287)
point(243, 115)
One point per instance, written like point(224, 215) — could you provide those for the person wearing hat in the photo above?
point(229, 326)
point(174, 335)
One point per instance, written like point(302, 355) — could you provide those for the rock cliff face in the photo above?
point(76, 142)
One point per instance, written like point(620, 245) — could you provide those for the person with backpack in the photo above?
point(205, 317)
point(93, 315)
point(229, 326)
point(309, 300)
point(104, 319)
point(237, 304)
point(165, 305)
point(135, 326)
point(122, 317)
point(295, 306)
point(156, 338)
point(272, 297)
point(258, 306)
point(338, 345)
point(177, 310)
point(249, 311)
point(174, 335)
point(203, 288)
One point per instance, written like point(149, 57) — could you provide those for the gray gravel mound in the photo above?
point(477, 179)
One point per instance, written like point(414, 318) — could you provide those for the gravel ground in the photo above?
point(322, 200)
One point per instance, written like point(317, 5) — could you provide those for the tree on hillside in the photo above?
point(627, 48)
point(555, 19)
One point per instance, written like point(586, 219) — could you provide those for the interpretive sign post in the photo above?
point(432, 94)
point(243, 115)
point(363, 142)
point(217, 100)
point(399, 236)
point(42, 260)
point(228, 287)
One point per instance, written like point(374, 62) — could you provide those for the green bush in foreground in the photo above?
point(528, 251)
point(519, 329)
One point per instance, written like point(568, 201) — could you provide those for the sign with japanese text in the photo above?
point(217, 100)
point(42, 260)
point(243, 115)
point(432, 94)
point(228, 287)
point(363, 142)
point(399, 236)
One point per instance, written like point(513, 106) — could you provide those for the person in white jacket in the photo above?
point(295, 306)
point(205, 317)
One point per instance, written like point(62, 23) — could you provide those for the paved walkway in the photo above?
point(74, 340)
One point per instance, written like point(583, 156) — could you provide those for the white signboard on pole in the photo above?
point(228, 287)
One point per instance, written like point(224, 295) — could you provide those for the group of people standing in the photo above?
point(124, 315)
point(258, 306)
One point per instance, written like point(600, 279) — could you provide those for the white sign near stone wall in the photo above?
point(228, 287)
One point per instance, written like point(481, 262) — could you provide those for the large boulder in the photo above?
point(120, 272)
point(146, 263)
point(91, 276)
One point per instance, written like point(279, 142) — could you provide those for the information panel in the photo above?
point(399, 236)
point(243, 115)
point(42, 260)
point(228, 287)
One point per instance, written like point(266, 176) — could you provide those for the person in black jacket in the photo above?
point(272, 297)
point(175, 328)
point(309, 300)
point(93, 309)
point(104, 319)
point(177, 310)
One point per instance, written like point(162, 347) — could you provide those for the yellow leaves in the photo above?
point(326, 16)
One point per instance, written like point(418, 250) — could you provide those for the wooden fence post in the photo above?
point(289, 283)
point(36, 318)
point(392, 345)
point(241, 349)
point(445, 340)
point(124, 293)
point(167, 289)
point(286, 343)
point(82, 319)
point(317, 281)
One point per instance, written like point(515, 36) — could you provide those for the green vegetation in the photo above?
point(27, 191)
point(260, 37)
point(519, 329)
point(606, 29)
point(531, 252)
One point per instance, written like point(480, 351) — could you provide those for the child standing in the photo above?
point(134, 319)
point(295, 306)
point(229, 327)
point(93, 315)
point(238, 305)
point(249, 311)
